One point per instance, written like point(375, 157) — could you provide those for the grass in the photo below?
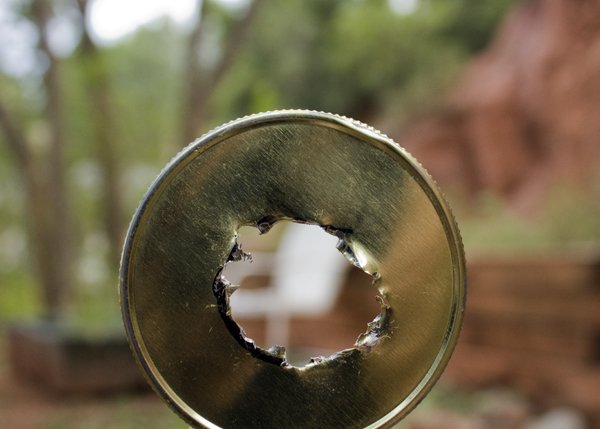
point(569, 218)
point(124, 412)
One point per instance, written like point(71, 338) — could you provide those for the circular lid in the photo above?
point(318, 168)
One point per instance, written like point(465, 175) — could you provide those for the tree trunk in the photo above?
point(198, 88)
point(97, 85)
point(59, 230)
point(38, 217)
point(192, 96)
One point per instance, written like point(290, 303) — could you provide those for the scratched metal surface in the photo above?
point(317, 168)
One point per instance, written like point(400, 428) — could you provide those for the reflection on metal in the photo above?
point(311, 167)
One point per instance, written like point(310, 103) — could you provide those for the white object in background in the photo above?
point(307, 273)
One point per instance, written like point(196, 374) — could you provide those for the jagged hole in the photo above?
point(297, 291)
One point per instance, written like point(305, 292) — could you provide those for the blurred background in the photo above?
point(499, 99)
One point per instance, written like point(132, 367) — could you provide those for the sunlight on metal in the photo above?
point(314, 168)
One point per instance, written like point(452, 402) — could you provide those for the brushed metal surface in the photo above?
point(311, 167)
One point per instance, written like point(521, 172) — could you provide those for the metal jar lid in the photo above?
point(311, 167)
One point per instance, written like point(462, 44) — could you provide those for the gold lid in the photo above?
point(311, 167)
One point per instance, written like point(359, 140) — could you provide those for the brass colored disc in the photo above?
point(310, 167)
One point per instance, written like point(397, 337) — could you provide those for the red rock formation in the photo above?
point(526, 113)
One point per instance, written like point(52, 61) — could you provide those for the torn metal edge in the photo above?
point(377, 329)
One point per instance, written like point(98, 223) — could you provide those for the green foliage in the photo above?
point(471, 24)
point(343, 56)
point(286, 56)
point(19, 295)
point(354, 57)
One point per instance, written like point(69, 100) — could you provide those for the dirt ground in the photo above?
point(25, 406)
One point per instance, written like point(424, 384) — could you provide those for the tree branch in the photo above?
point(192, 77)
point(199, 90)
point(15, 139)
point(234, 44)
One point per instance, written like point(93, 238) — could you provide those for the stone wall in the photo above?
point(525, 113)
point(533, 323)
